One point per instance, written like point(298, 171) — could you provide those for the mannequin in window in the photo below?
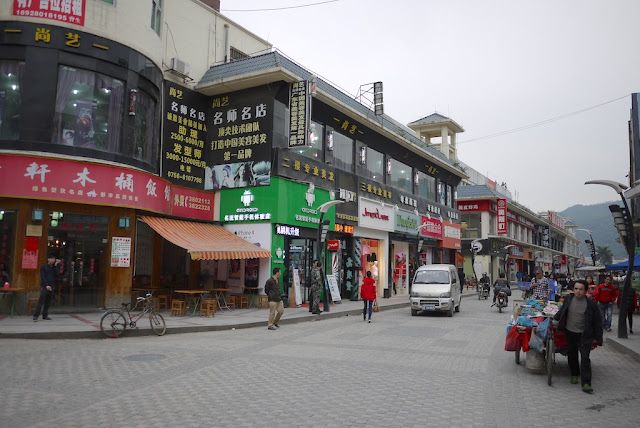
point(374, 271)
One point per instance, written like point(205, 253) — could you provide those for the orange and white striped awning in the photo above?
point(205, 241)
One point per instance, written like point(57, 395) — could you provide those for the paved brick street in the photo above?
point(398, 371)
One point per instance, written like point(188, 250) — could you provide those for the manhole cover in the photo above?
point(145, 357)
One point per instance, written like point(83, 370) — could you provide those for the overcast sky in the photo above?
point(492, 66)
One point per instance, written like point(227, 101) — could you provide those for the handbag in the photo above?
point(376, 308)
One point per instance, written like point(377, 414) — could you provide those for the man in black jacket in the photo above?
point(48, 273)
point(272, 288)
point(581, 321)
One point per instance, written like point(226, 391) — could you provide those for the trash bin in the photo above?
point(387, 293)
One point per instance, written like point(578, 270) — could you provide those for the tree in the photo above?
point(604, 254)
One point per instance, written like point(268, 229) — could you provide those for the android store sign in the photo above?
point(247, 212)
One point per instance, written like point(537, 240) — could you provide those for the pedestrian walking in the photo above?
point(581, 321)
point(368, 293)
point(272, 288)
point(48, 274)
point(461, 276)
point(632, 305)
point(316, 287)
point(605, 299)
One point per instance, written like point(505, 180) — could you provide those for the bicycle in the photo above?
point(114, 322)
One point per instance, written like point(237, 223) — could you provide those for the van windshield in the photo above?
point(432, 277)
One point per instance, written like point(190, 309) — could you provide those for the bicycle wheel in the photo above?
point(113, 323)
point(551, 349)
point(157, 323)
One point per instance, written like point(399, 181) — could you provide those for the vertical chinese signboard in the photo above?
point(502, 216)
point(240, 131)
point(184, 145)
point(71, 11)
point(299, 110)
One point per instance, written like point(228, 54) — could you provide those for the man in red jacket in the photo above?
point(368, 294)
point(605, 299)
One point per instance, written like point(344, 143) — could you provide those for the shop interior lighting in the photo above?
point(363, 155)
point(330, 140)
point(389, 167)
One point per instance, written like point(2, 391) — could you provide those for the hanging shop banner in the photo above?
point(71, 11)
point(74, 181)
point(347, 190)
point(189, 203)
point(546, 237)
point(432, 228)
point(184, 147)
point(120, 252)
point(502, 216)
point(240, 131)
point(299, 104)
point(451, 236)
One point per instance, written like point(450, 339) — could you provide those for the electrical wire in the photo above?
point(544, 122)
point(279, 8)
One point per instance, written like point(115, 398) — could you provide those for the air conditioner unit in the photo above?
point(180, 66)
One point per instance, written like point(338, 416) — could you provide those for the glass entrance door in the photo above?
point(81, 243)
point(301, 255)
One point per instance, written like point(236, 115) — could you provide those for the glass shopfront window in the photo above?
point(400, 175)
point(146, 119)
point(442, 193)
point(449, 196)
point(342, 152)
point(373, 166)
point(88, 110)
point(316, 137)
point(426, 186)
point(11, 77)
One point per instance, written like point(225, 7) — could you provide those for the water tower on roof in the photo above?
point(434, 126)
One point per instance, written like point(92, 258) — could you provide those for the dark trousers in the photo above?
point(369, 304)
point(630, 318)
point(43, 303)
point(574, 344)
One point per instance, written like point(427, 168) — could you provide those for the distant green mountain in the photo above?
point(597, 218)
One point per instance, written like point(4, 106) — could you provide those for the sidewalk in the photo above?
point(87, 325)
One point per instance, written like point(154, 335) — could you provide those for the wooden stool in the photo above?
point(31, 305)
point(263, 301)
point(163, 302)
point(244, 300)
point(213, 305)
point(153, 301)
point(205, 308)
point(231, 300)
point(179, 307)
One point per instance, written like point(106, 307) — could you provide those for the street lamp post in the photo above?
point(476, 247)
point(624, 225)
point(591, 244)
point(323, 228)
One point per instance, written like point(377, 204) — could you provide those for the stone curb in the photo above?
point(95, 334)
point(620, 347)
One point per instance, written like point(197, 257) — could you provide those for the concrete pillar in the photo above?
point(454, 147)
point(444, 147)
point(485, 218)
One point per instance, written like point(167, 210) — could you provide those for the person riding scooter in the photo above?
point(484, 285)
point(501, 283)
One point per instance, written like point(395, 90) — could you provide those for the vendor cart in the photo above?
point(555, 342)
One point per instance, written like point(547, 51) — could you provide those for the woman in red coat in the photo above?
point(368, 294)
point(632, 305)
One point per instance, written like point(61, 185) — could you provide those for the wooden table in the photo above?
point(253, 292)
point(222, 303)
point(13, 292)
point(193, 297)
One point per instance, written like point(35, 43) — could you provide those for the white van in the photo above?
point(435, 288)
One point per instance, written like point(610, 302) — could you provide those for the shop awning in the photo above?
point(205, 241)
point(460, 258)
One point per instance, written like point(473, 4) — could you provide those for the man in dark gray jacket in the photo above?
point(581, 321)
point(272, 289)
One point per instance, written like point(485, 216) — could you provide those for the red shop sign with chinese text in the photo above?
point(71, 11)
point(74, 181)
point(192, 203)
point(502, 216)
point(432, 229)
point(451, 236)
